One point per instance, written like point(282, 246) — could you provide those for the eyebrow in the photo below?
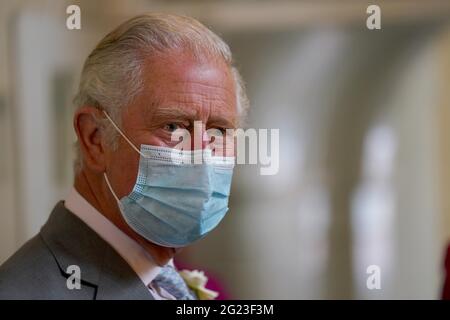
point(174, 112)
point(219, 120)
point(164, 113)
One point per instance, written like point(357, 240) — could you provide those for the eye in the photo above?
point(222, 130)
point(172, 127)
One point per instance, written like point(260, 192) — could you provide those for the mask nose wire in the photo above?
point(123, 135)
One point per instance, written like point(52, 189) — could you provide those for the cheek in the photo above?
point(124, 168)
point(124, 164)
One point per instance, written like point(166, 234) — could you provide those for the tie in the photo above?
point(170, 280)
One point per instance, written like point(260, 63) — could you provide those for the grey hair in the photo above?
point(112, 74)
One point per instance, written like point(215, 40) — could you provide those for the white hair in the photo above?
point(112, 73)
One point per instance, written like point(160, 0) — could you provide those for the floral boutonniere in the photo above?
point(196, 281)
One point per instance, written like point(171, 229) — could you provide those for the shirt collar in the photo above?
point(134, 254)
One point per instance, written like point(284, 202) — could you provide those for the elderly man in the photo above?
point(137, 199)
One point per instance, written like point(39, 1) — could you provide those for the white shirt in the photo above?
point(134, 254)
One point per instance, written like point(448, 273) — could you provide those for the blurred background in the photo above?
point(364, 120)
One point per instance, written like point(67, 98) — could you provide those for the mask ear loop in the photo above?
point(123, 135)
point(130, 143)
point(110, 187)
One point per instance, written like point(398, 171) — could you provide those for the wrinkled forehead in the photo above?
point(164, 71)
point(183, 86)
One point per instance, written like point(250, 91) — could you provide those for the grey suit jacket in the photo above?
point(38, 270)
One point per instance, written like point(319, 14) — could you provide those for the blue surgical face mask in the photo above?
point(179, 196)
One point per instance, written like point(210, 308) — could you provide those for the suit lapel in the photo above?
point(119, 281)
point(72, 242)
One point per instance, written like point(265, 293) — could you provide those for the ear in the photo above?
point(89, 135)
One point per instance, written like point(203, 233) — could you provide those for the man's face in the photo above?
point(178, 90)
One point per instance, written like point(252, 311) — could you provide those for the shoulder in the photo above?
point(28, 271)
point(33, 273)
